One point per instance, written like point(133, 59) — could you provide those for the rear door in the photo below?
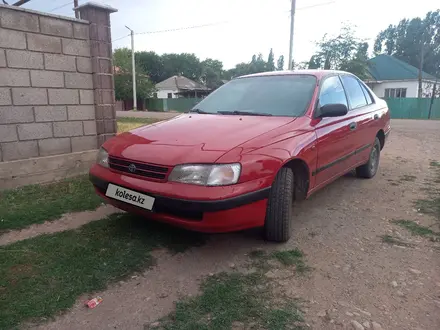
point(335, 141)
point(362, 110)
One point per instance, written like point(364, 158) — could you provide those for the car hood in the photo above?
point(191, 138)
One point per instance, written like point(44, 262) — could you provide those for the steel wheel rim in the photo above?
point(374, 159)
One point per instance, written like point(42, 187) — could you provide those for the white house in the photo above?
point(393, 78)
point(180, 86)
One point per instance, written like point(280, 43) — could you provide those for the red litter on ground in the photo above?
point(92, 303)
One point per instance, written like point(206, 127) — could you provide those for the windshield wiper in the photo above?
point(244, 113)
point(198, 111)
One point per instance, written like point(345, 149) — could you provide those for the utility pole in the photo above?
point(133, 68)
point(292, 26)
point(75, 4)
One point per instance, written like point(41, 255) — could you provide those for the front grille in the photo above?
point(152, 171)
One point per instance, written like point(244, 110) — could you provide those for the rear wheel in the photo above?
point(277, 226)
point(369, 169)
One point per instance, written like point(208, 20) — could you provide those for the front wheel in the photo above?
point(369, 169)
point(277, 226)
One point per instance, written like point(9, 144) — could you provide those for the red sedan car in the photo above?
point(245, 152)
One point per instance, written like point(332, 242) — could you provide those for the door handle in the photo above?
point(376, 116)
point(352, 126)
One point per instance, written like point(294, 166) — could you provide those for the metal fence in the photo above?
point(401, 108)
point(414, 108)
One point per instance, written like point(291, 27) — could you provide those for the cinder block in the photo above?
point(63, 96)
point(84, 64)
point(49, 147)
point(34, 131)
point(19, 150)
point(78, 80)
point(5, 96)
point(42, 78)
point(56, 27)
point(68, 128)
point(42, 43)
point(59, 62)
point(83, 143)
point(76, 47)
point(12, 39)
point(86, 96)
point(102, 65)
point(105, 112)
point(100, 32)
point(14, 77)
point(101, 49)
point(104, 96)
point(24, 59)
point(2, 58)
point(104, 137)
point(29, 96)
point(80, 31)
point(104, 81)
point(18, 20)
point(110, 126)
point(100, 128)
point(51, 113)
point(89, 127)
point(8, 133)
point(16, 115)
point(81, 112)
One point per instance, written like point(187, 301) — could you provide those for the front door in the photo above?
point(335, 136)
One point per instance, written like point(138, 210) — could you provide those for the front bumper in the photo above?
point(229, 213)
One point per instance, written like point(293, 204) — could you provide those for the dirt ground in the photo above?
point(355, 275)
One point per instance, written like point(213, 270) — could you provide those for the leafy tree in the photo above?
point(409, 37)
point(212, 73)
point(270, 65)
point(343, 52)
point(280, 63)
point(123, 77)
point(151, 63)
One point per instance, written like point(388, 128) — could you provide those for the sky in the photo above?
point(234, 30)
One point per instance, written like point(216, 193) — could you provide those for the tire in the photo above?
point(369, 169)
point(277, 227)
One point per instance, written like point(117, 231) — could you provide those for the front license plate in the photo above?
point(130, 196)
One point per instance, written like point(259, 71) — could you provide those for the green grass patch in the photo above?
point(415, 228)
point(292, 257)
point(431, 205)
point(228, 299)
point(239, 301)
point(33, 204)
point(388, 239)
point(43, 276)
point(126, 124)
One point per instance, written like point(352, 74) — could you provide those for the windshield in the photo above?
point(283, 95)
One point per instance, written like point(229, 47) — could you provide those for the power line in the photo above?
point(121, 37)
point(70, 3)
point(222, 22)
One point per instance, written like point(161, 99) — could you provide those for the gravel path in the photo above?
point(357, 282)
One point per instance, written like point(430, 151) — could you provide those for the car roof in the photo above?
point(317, 73)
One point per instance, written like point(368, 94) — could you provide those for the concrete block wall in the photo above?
point(47, 88)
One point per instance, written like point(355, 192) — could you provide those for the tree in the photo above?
point(152, 64)
point(280, 63)
point(343, 52)
point(212, 73)
point(124, 80)
point(409, 37)
point(270, 65)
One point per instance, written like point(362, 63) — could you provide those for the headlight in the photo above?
point(102, 158)
point(206, 175)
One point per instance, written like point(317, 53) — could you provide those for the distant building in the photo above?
point(393, 78)
point(180, 86)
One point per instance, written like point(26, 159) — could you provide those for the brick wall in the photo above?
point(47, 100)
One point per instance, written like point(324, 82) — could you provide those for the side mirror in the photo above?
point(333, 110)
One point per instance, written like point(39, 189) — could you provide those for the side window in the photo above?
point(332, 92)
point(367, 94)
point(354, 92)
